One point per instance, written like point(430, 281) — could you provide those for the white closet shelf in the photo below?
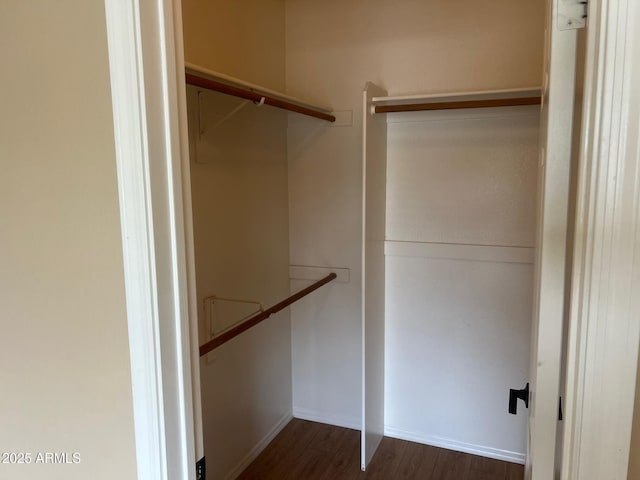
point(447, 101)
point(219, 82)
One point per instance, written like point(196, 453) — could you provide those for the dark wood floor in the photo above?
point(315, 451)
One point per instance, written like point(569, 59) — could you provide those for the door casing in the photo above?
point(149, 102)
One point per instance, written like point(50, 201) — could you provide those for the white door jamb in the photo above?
point(605, 300)
point(149, 113)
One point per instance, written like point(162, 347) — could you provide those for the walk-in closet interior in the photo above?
point(427, 217)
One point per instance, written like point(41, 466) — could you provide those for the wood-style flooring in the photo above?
point(314, 451)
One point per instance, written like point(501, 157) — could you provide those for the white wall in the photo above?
point(463, 177)
point(461, 191)
point(65, 377)
point(240, 215)
point(241, 248)
point(324, 215)
point(332, 49)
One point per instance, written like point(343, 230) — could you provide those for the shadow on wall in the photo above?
point(241, 235)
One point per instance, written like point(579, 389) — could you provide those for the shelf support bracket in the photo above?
point(572, 14)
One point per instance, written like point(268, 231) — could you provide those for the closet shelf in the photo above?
point(450, 101)
point(210, 80)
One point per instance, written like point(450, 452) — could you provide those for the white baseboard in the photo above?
point(259, 447)
point(435, 441)
point(330, 419)
point(389, 431)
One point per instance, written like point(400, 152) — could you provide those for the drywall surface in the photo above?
point(458, 321)
point(325, 210)
point(240, 214)
point(65, 372)
point(241, 233)
point(242, 39)
point(457, 339)
point(463, 177)
point(332, 49)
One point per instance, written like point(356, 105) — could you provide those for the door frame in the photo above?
point(604, 324)
point(149, 109)
point(146, 67)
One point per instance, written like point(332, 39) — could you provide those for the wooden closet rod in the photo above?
point(255, 97)
point(496, 102)
point(259, 317)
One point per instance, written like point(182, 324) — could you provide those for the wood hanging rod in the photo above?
point(495, 102)
point(259, 317)
point(256, 97)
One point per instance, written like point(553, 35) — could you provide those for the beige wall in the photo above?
point(333, 48)
point(63, 349)
point(241, 38)
point(240, 219)
point(414, 46)
point(240, 223)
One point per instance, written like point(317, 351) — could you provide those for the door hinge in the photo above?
point(572, 14)
point(201, 469)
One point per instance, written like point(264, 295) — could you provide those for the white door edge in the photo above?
point(374, 167)
point(554, 172)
